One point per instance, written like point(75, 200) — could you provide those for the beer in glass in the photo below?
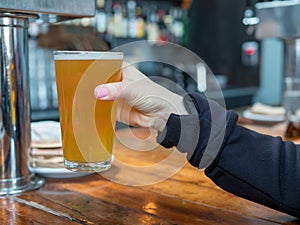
point(87, 124)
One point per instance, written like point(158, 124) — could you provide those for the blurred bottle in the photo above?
point(110, 25)
point(140, 19)
point(152, 25)
point(101, 16)
point(185, 20)
point(162, 26)
point(168, 20)
point(117, 14)
point(132, 20)
point(177, 26)
point(124, 21)
point(140, 22)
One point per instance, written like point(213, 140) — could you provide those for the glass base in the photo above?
point(21, 184)
point(87, 167)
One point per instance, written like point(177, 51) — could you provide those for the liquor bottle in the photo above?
point(152, 25)
point(185, 20)
point(177, 26)
point(101, 18)
point(124, 21)
point(140, 22)
point(162, 26)
point(110, 25)
point(117, 10)
point(132, 20)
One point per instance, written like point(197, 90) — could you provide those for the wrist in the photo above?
point(175, 105)
point(159, 121)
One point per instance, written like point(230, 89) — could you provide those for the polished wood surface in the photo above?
point(165, 196)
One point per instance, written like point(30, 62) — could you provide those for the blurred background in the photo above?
point(222, 33)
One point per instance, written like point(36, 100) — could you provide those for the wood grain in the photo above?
point(186, 197)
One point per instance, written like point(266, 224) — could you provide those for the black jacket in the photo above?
point(258, 167)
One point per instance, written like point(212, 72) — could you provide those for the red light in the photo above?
point(250, 50)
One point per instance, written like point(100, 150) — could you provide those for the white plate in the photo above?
point(263, 117)
point(57, 172)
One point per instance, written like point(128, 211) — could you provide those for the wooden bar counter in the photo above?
point(152, 196)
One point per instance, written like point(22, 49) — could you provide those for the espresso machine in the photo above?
point(15, 130)
point(281, 20)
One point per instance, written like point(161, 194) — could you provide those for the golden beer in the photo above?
point(87, 125)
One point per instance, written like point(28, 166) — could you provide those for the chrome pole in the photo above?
point(15, 130)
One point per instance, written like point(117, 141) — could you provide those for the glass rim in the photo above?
point(86, 55)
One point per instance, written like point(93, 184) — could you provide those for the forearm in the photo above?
point(257, 167)
point(260, 168)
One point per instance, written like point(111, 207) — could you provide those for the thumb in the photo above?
point(109, 91)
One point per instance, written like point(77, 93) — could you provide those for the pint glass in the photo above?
point(87, 124)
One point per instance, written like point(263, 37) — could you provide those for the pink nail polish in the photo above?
point(101, 92)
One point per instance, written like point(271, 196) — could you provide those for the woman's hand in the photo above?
point(142, 102)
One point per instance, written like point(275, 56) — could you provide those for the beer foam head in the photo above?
point(87, 55)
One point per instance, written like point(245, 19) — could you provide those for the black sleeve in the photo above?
point(258, 167)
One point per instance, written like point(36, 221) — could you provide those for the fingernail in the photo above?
point(101, 92)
